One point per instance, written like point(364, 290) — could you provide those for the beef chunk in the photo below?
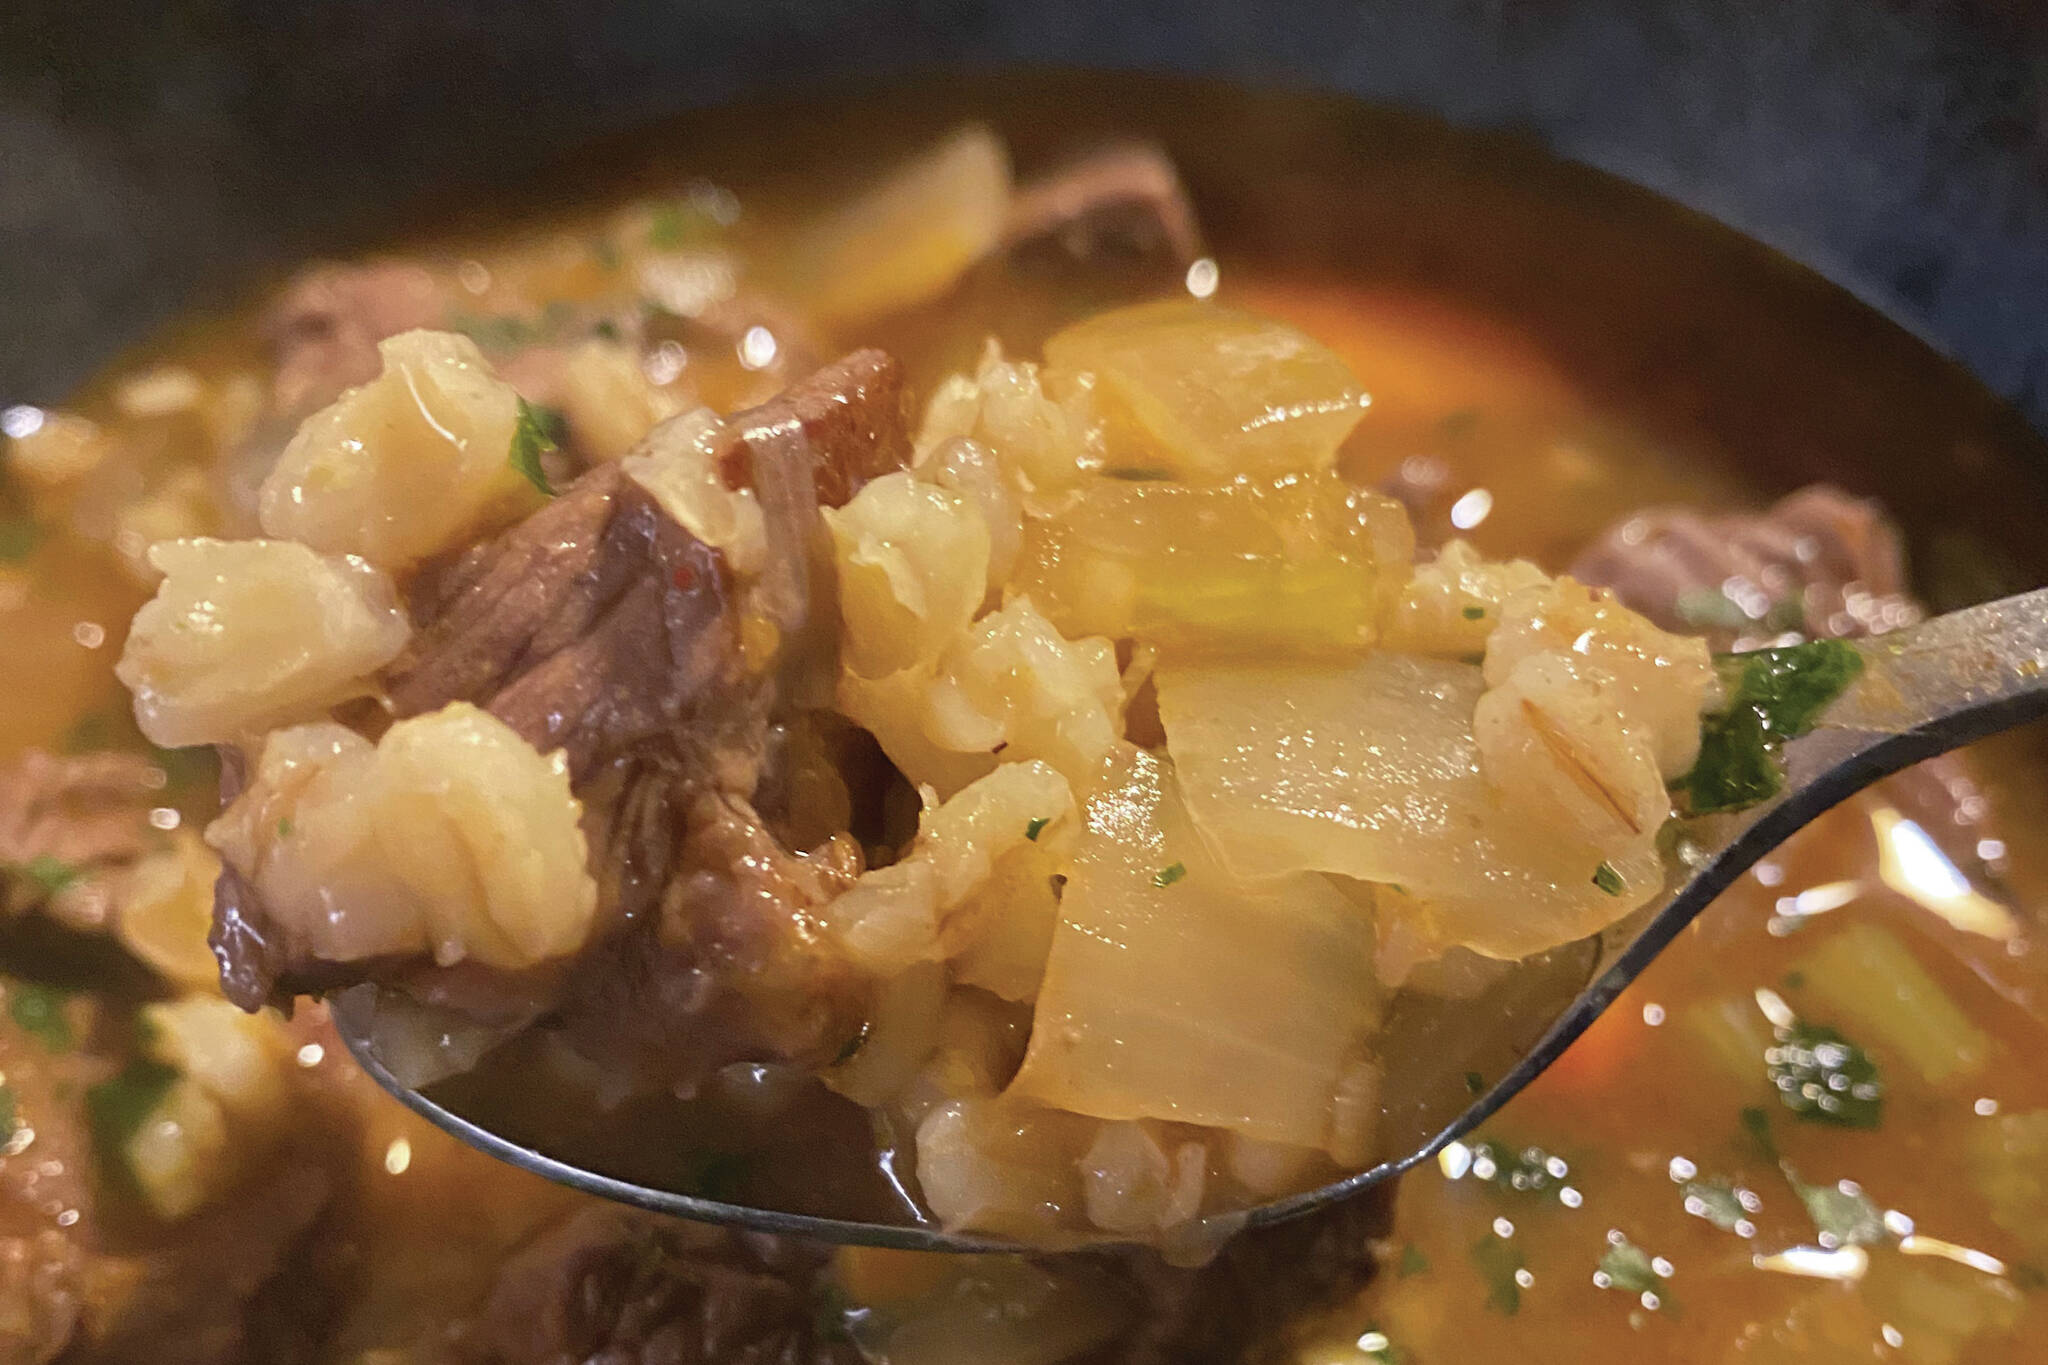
point(1821, 563)
point(629, 1288)
point(727, 967)
point(1121, 208)
point(324, 329)
point(851, 415)
point(66, 819)
point(591, 626)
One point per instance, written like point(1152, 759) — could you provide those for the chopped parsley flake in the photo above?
point(1842, 1214)
point(1776, 695)
point(679, 223)
point(1823, 1077)
point(39, 1011)
point(1627, 1267)
point(6, 1110)
point(285, 827)
point(1498, 1259)
point(116, 1109)
point(1474, 1082)
point(853, 1045)
point(1721, 1203)
point(18, 538)
point(50, 874)
point(1139, 474)
point(1036, 828)
point(1519, 1170)
point(532, 436)
point(1167, 876)
point(1413, 1262)
point(1607, 879)
point(1757, 1124)
point(1475, 613)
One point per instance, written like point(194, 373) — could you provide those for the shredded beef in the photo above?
point(324, 329)
point(1121, 206)
point(628, 1288)
point(591, 626)
point(64, 821)
point(1820, 562)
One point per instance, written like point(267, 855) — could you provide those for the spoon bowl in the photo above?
point(1920, 692)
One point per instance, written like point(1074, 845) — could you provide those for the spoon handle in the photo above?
point(1927, 690)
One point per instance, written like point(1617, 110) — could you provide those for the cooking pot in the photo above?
point(151, 154)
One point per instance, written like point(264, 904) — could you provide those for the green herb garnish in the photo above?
point(50, 874)
point(531, 438)
point(39, 1011)
point(1460, 423)
point(1757, 1124)
point(1822, 1076)
point(1036, 828)
point(680, 222)
point(6, 1110)
point(116, 1109)
point(1775, 695)
point(285, 827)
point(1138, 474)
point(1167, 876)
point(1413, 1262)
point(1498, 1261)
point(1475, 613)
point(1607, 879)
point(1627, 1267)
point(1720, 1203)
point(1474, 1082)
point(1842, 1214)
point(18, 538)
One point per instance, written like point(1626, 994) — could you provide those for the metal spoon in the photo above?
point(1922, 692)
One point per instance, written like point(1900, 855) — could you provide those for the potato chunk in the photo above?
point(450, 837)
point(913, 569)
point(1208, 394)
point(1296, 564)
point(244, 635)
point(412, 463)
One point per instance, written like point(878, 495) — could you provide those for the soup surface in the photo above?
point(1813, 1132)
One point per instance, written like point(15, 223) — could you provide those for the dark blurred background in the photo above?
point(153, 152)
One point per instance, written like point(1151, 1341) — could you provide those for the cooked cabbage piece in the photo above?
point(1203, 393)
point(1370, 769)
point(1176, 990)
point(450, 837)
point(910, 236)
point(913, 569)
point(1303, 563)
point(244, 635)
point(412, 463)
point(608, 400)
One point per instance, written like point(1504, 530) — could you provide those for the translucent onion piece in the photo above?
point(1207, 394)
point(1301, 563)
point(1370, 770)
point(1176, 991)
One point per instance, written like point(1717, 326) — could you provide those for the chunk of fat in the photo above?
point(246, 635)
point(1177, 990)
point(1369, 769)
point(451, 837)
